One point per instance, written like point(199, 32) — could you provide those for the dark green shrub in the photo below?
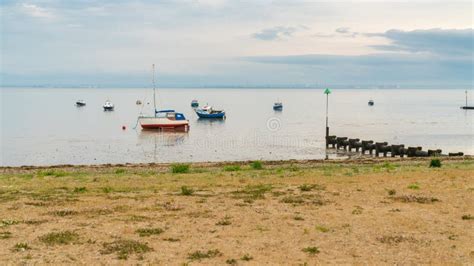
point(435, 163)
point(256, 165)
point(179, 168)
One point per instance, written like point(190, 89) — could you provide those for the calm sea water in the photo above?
point(44, 127)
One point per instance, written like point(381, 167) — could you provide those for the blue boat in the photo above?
point(209, 112)
point(278, 106)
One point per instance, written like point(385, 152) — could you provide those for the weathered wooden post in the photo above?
point(327, 92)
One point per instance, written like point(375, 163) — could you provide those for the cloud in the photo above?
point(376, 68)
point(346, 32)
point(446, 42)
point(36, 11)
point(275, 33)
point(342, 30)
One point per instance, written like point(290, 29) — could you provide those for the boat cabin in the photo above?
point(170, 114)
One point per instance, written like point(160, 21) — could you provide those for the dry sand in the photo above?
point(296, 213)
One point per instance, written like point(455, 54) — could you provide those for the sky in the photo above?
point(199, 43)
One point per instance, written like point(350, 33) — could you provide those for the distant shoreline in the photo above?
point(278, 87)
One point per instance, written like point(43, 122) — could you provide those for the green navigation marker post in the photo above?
point(327, 91)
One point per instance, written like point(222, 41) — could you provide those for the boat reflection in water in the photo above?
point(171, 138)
point(159, 145)
point(211, 122)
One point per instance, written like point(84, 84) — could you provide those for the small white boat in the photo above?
point(80, 103)
point(108, 106)
point(278, 106)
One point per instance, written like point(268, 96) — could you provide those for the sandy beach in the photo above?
point(385, 211)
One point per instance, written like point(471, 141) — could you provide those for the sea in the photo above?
point(43, 126)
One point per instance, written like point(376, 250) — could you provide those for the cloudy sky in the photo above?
point(236, 43)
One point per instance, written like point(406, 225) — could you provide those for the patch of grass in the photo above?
point(256, 165)
point(138, 218)
point(107, 189)
point(59, 238)
point(120, 171)
point(311, 250)
point(199, 255)
point(293, 200)
point(388, 166)
point(232, 168)
point(180, 168)
point(148, 231)
point(246, 257)
point(357, 210)
point(395, 239)
point(414, 186)
point(467, 217)
point(5, 235)
point(34, 222)
point(322, 228)
point(20, 247)
point(293, 168)
point(170, 239)
point(231, 261)
point(309, 187)
point(37, 203)
point(391, 192)
point(224, 221)
point(98, 211)
point(51, 172)
point(123, 248)
point(63, 213)
point(186, 191)
point(435, 163)
point(251, 193)
point(8, 222)
point(413, 198)
point(385, 166)
point(80, 189)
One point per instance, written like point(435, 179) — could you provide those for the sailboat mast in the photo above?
point(466, 97)
point(154, 93)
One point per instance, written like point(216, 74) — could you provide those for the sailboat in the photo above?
point(467, 107)
point(163, 119)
